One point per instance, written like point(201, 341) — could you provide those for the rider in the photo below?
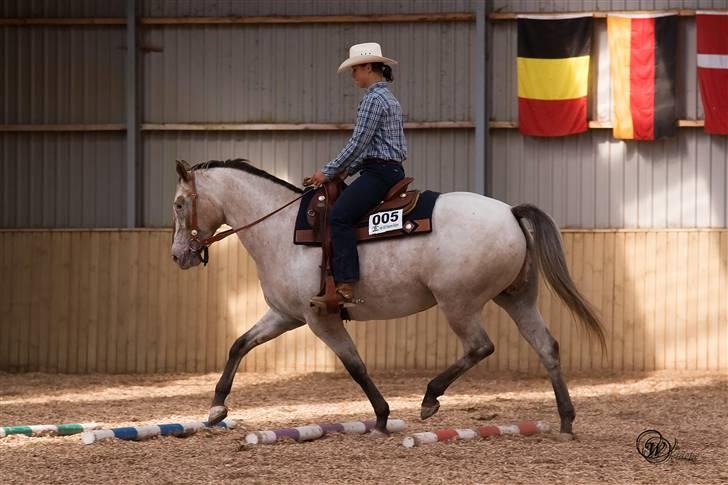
point(376, 150)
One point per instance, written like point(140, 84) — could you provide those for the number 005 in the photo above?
point(385, 218)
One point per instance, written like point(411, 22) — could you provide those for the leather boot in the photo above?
point(344, 295)
point(346, 291)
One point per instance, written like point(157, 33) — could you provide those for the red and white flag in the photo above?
point(712, 27)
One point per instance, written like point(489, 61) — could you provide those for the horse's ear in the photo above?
point(182, 170)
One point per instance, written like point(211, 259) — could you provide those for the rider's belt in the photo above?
point(378, 161)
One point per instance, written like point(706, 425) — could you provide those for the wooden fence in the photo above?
point(113, 301)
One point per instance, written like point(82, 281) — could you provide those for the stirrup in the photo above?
point(320, 301)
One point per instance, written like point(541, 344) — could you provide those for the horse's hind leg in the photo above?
point(468, 326)
point(522, 308)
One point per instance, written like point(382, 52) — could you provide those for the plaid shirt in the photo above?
point(378, 133)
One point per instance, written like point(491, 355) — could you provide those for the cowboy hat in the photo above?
point(363, 54)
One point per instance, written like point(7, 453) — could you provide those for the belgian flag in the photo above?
point(642, 55)
point(553, 73)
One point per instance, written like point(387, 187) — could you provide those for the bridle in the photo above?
point(201, 247)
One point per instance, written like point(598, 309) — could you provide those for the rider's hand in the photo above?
point(318, 178)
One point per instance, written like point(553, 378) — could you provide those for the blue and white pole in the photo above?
point(138, 433)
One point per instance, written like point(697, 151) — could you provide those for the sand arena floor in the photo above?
point(611, 412)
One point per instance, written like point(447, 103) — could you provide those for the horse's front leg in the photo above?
point(330, 329)
point(270, 326)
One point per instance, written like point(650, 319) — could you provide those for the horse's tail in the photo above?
point(549, 253)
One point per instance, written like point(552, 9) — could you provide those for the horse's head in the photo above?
point(196, 217)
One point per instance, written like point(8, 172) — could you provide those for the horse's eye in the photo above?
point(178, 207)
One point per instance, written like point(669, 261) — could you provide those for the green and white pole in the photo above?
point(47, 429)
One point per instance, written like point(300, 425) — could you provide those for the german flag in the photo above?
point(553, 73)
point(642, 55)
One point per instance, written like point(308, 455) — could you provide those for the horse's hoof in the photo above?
point(565, 437)
point(378, 434)
point(217, 414)
point(427, 411)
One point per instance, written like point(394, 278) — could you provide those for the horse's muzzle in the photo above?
point(190, 258)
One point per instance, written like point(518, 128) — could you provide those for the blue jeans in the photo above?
point(354, 202)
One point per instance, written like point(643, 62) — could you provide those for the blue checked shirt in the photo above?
point(378, 133)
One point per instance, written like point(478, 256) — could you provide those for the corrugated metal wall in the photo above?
point(62, 8)
point(62, 179)
point(243, 73)
point(592, 180)
point(440, 159)
point(285, 73)
point(62, 75)
point(184, 8)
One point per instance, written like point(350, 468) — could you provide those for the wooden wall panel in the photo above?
point(112, 301)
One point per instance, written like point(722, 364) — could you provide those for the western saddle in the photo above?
point(398, 197)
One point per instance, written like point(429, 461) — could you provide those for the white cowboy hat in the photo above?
point(363, 54)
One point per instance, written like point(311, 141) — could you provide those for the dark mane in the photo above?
point(242, 164)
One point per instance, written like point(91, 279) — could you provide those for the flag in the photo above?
point(712, 30)
point(553, 73)
point(642, 55)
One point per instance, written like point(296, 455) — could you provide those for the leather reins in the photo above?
point(201, 247)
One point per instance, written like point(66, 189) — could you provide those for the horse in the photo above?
point(480, 249)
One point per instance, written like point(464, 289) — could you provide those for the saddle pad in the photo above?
point(419, 221)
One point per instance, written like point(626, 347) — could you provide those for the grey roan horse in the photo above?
point(479, 250)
